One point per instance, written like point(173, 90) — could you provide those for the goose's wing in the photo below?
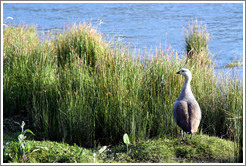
point(181, 114)
point(195, 115)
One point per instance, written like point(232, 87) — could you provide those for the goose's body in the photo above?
point(186, 110)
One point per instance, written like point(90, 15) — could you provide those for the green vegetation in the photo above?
point(126, 140)
point(201, 149)
point(234, 64)
point(196, 42)
point(21, 150)
point(57, 152)
point(77, 87)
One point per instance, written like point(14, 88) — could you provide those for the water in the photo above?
point(144, 25)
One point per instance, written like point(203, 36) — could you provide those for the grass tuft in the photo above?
point(234, 64)
point(196, 42)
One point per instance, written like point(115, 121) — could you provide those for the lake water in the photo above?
point(144, 25)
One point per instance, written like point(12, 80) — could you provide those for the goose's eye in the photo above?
point(183, 71)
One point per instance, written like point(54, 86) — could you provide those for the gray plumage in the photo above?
point(186, 110)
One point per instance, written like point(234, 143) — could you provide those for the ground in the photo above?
point(201, 149)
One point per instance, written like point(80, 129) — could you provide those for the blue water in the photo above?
point(144, 25)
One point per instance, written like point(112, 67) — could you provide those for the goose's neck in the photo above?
point(186, 90)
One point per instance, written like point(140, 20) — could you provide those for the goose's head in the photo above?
point(185, 72)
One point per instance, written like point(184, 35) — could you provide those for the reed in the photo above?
point(79, 87)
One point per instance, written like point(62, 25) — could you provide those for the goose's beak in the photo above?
point(178, 72)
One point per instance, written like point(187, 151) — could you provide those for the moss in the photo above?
point(201, 148)
point(56, 153)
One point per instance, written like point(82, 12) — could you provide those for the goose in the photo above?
point(186, 110)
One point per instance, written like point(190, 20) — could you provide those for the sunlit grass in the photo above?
point(196, 42)
point(234, 64)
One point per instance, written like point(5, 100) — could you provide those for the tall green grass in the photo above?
point(79, 87)
point(196, 43)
